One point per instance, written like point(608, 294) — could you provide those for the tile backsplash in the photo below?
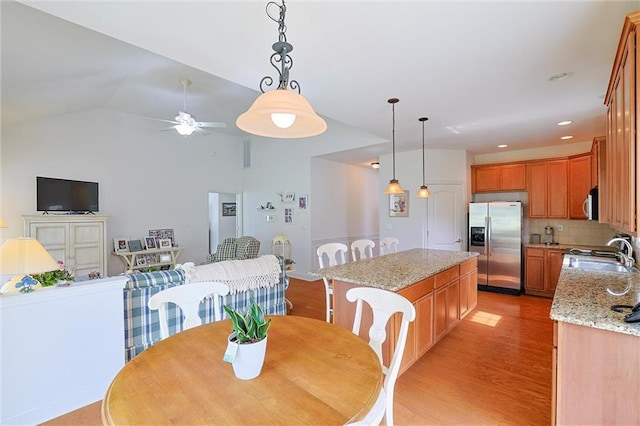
point(579, 232)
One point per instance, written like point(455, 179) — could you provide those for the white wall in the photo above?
point(148, 179)
point(441, 167)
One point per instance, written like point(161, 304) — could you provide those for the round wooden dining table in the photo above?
point(314, 373)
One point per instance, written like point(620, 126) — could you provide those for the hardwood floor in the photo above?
point(493, 368)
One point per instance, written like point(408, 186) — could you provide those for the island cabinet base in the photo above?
point(441, 301)
point(596, 377)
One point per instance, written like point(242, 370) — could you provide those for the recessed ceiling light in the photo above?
point(566, 137)
point(565, 123)
point(561, 76)
point(375, 165)
point(502, 146)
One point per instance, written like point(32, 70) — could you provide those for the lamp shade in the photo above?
point(281, 104)
point(424, 192)
point(25, 256)
point(393, 188)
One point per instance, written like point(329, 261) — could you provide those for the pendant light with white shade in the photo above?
point(424, 191)
point(281, 113)
point(394, 186)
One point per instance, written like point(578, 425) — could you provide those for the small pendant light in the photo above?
point(424, 191)
point(394, 186)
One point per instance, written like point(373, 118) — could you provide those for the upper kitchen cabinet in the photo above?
point(580, 183)
point(622, 133)
point(498, 177)
point(547, 185)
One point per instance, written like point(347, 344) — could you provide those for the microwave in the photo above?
point(591, 204)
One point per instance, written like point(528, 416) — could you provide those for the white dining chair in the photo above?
point(389, 245)
point(384, 304)
point(188, 298)
point(376, 414)
point(336, 254)
point(362, 249)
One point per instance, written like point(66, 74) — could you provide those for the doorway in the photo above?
point(225, 217)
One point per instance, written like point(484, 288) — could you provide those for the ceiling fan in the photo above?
point(184, 123)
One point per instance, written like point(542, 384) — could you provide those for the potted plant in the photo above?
point(248, 341)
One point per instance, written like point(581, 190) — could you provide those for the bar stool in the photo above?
point(362, 249)
point(389, 245)
point(337, 255)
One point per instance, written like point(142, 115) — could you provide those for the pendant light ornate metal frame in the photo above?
point(281, 113)
point(393, 187)
point(424, 191)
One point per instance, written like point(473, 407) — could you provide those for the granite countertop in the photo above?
point(581, 298)
point(395, 271)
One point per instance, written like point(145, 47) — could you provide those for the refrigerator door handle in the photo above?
point(487, 237)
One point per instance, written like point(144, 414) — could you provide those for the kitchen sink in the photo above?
point(591, 263)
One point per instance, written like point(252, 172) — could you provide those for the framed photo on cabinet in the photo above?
point(120, 244)
point(164, 243)
point(150, 243)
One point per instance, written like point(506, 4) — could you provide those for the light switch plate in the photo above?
point(269, 218)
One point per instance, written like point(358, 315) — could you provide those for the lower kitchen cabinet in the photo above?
point(542, 270)
point(595, 376)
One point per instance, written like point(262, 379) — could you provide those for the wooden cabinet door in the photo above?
point(453, 307)
point(486, 179)
point(473, 291)
point(537, 185)
point(553, 267)
point(579, 185)
point(513, 177)
point(424, 322)
point(534, 269)
point(465, 281)
point(557, 189)
point(440, 312)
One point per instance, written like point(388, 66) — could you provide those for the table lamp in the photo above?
point(20, 257)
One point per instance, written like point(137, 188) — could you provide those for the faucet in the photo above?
point(627, 259)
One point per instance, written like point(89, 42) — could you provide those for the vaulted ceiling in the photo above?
point(479, 70)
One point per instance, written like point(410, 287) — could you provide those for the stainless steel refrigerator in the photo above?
point(495, 232)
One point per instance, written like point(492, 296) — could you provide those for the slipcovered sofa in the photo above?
point(236, 249)
point(142, 326)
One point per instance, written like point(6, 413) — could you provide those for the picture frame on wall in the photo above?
point(303, 202)
point(288, 216)
point(228, 209)
point(135, 245)
point(120, 244)
point(150, 243)
point(399, 205)
point(164, 243)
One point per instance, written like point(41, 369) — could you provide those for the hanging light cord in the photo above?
point(281, 48)
point(393, 102)
point(423, 119)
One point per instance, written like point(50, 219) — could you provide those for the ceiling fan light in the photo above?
point(393, 188)
point(283, 120)
point(184, 129)
point(257, 119)
point(424, 192)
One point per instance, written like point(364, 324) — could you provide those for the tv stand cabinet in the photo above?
point(77, 240)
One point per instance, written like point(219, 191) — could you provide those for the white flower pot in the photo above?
point(249, 359)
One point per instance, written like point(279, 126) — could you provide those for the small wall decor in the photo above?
point(302, 202)
point(288, 216)
point(399, 205)
point(228, 209)
point(120, 244)
point(150, 243)
point(135, 245)
point(163, 233)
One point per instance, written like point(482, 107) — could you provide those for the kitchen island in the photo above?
point(596, 355)
point(441, 284)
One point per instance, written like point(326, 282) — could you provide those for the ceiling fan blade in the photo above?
point(160, 119)
point(211, 124)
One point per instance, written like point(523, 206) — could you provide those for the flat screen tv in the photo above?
point(63, 195)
